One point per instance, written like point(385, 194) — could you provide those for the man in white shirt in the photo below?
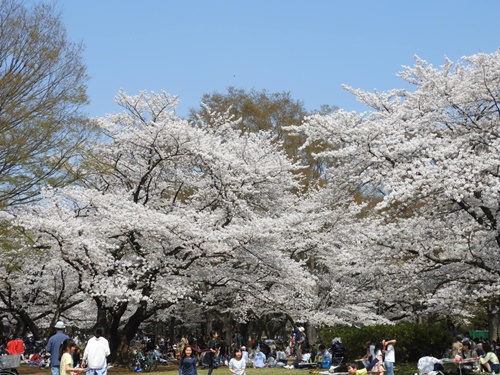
point(95, 353)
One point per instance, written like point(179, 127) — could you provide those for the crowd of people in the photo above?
point(469, 355)
point(66, 355)
point(278, 352)
point(62, 354)
point(483, 350)
point(379, 358)
point(65, 359)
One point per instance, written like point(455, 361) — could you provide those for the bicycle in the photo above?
point(138, 361)
point(152, 361)
point(135, 361)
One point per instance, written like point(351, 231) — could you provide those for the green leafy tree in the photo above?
point(273, 112)
point(42, 88)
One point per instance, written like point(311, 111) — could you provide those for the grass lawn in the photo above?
point(400, 369)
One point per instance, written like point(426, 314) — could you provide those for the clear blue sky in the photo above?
point(308, 47)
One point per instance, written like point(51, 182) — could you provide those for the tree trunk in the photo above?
point(312, 334)
point(119, 340)
point(29, 324)
point(208, 324)
point(171, 331)
point(227, 327)
point(494, 322)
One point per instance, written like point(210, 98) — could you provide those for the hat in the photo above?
point(59, 325)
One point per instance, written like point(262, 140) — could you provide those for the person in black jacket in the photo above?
point(212, 351)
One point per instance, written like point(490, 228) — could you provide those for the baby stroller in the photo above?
point(338, 351)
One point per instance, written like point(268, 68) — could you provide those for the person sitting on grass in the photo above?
point(281, 358)
point(429, 364)
point(306, 355)
point(260, 360)
point(490, 361)
point(352, 369)
point(324, 357)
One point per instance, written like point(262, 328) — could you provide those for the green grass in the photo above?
point(400, 369)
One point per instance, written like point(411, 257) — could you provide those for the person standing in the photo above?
point(95, 353)
point(66, 360)
point(238, 339)
point(379, 355)
point(377, 366)
point(187, 364)
point(297, 336)
point(371, 348)
point(223, 351)
point(390, 355)
point(212, 351)
point(54, 345)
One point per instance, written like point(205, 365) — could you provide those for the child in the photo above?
point(187, 364)
point(352, 369)
point(237, 364)
point(324, 358)
point(66, 367)
point(212, 351)
point(379, 364)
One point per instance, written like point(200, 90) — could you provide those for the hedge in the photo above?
point(413, 341)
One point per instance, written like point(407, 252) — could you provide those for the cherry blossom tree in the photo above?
point(173, 211)
point(36, 290)
point(430, 159)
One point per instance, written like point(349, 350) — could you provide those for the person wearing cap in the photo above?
point(244, 355)
point(53, 346)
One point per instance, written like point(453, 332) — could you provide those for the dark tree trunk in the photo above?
point(171, 330)
point(494, 322)
point(29, 324)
